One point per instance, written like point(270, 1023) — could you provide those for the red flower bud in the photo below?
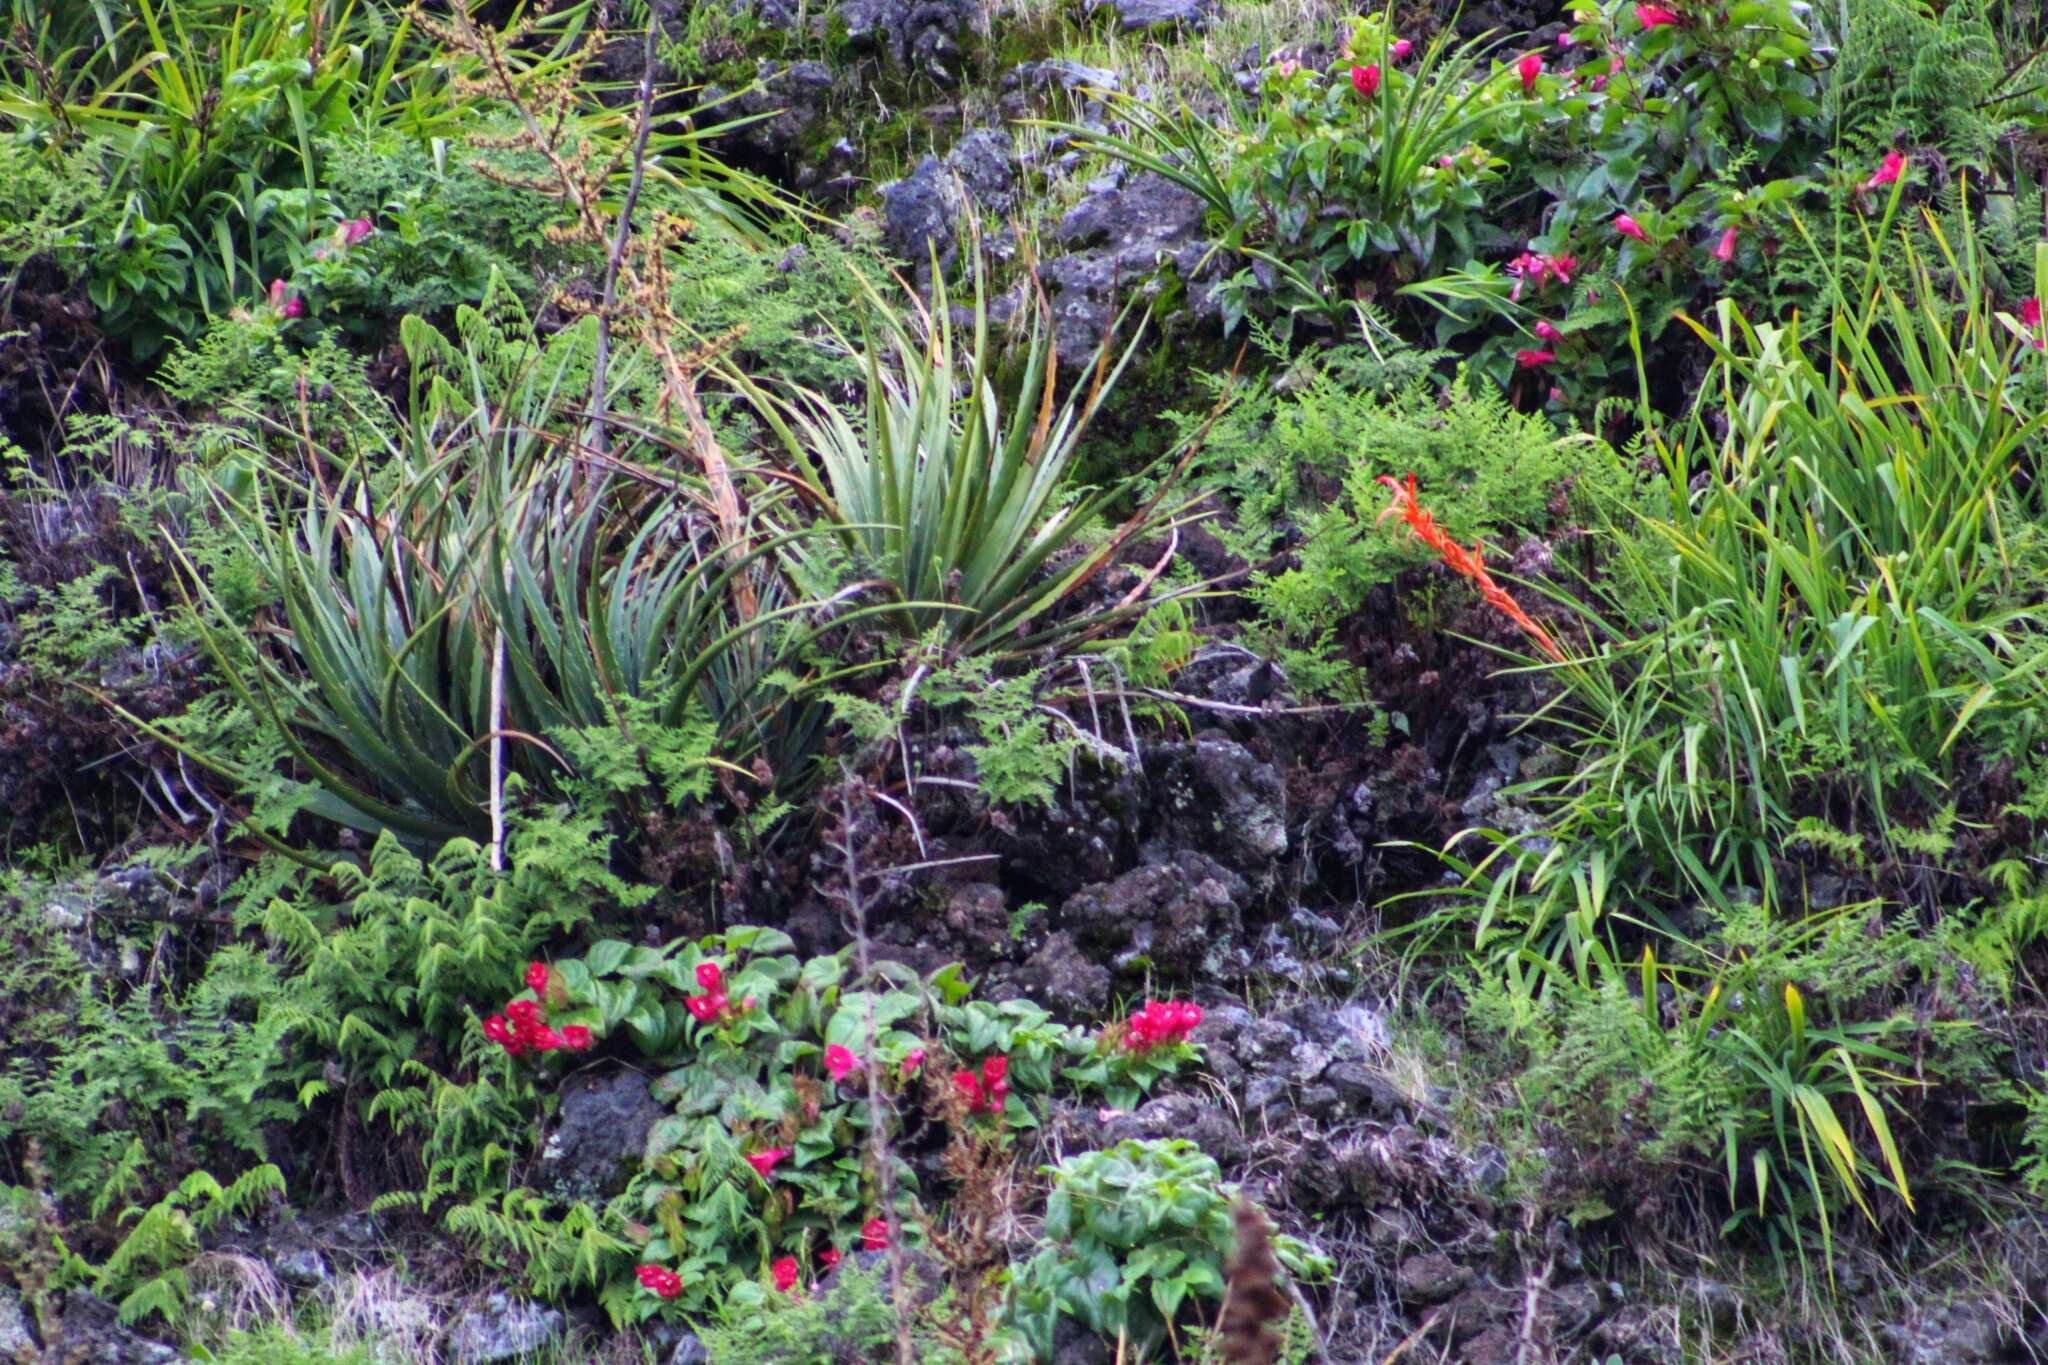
point(1366, 80)
point(874, 1235)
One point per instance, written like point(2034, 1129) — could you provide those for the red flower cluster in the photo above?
point(874, 1235)
point(1466, 563)
point(713, 1007)
point(1532, 269)
point(764, 1163)
point(523, 1028)
point(1161, 1021)
point(661, 1280)
point(785, 1273)
point(987, 1091)
point(1366, 80)
point(840, 1063)
point(829, 1257)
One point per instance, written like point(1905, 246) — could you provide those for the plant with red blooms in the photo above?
point(1888, 172)
point(523, 1027)
point(786, 1274)
point(1161, 1023)
point(714, 1006)
point(1466, 563)
point(1366, 80)
point(1400, 49)
point(840, 1063)
point(664, 1283)
point(1532, 270)
point(1627, 226)
point(1534, 360)
point(1529, 68)
point(1547, 333)
point(874, 1235)
point(987, 1091)
point(764, 1163)
point(1654, 16)
point(829, 1258)
point(1724, 250)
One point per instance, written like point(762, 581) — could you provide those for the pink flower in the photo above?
point(1529, 68)
point(912, 1060)
point(785, 1273)
point(496, 1030)
point(1530, 268)
point(839, 1062)
point(524, 1014)
point(1565, 39)
point(576, 1038)
point(1534, 360)
point(1400, 50)
point(709, 976)
point(2030, 316)
point(283, 304)
point(537, 977)
point(704, 1009)
point(765, 1162)
point(1366, 80)
point(1724, 250)
point(355, 229)
point(1654, 16)
point(1888, 173)
point(1629, 227)
point(1546, 332)
point(663, 1281)
point(874, 1235)
point(829, 1258)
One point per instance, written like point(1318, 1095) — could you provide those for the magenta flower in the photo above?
point(355, 229)
point(1724, 250)
point(1654, 16)
point(1546, 332)
point(1366, 80)
point(1888, 173)
point(1529, 68)
point(765, 1162)
point(1400, 50)
point(1534, 360)
point(785, 1273)
point(1629, 227)
point(839, 1062)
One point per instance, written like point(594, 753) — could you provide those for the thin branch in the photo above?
point(622, 233)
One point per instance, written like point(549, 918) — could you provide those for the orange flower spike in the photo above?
point(1468, 564)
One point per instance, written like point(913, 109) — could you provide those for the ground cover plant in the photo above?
point(1159, 681)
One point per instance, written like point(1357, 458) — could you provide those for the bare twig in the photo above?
point(622, 233)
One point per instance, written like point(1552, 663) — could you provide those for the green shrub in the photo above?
point(1134, 1234)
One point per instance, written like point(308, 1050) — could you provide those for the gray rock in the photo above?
point(986, 162)
point(17, 1342)
point(1117, 238)
point(1181, 1116)
point(920, 214)
point(1215, 795)
point(1966, 1332)
point(89, 1330)
point(504, 1328)
point(690, 1350)
point(1065, 980)
point(1363, 1089)
point(600, 1133)
point(1136, 16)
point(927, 36)
point(1264, 1092)
point(1182, 917)
point(1430, 1277)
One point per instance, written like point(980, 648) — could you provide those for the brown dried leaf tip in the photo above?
point(1255, 1310)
